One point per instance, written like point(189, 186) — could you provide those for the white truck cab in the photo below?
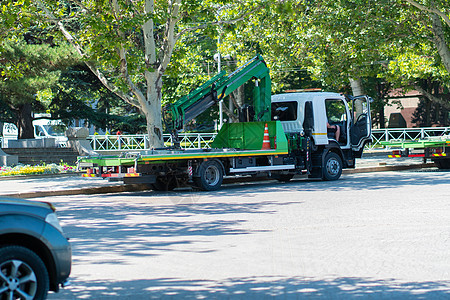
point(296, 110)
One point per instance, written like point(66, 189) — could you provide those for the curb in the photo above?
point(86, 191)
point(388, 168)
point(145, 187)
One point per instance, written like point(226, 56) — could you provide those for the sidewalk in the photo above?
point(73, 184)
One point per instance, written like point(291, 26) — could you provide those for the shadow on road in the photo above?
point(256, 288)
point(95, 228)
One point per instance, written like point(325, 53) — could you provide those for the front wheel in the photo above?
point(332, 167)
point(209, 176)
point(23, 275)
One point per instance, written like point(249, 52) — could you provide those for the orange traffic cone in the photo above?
point(266, 140)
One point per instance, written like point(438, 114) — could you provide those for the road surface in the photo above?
point(367, 236)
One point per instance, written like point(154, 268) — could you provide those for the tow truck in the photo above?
point(279, 136)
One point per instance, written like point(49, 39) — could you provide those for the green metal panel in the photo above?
point(111, 161)
point(416, 144)
point(219, 87)
point(250, 135)
point(254, 68)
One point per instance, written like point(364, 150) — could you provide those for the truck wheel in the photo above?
point(442, 163)
point(210, 175)
point(165, 184)
point(23, 274)
point(332, 167)
point(284, 177)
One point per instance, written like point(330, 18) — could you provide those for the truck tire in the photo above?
point(442, 163)
point(165, 184)
point(284, 177)
point(332, 167)
point(23, 272)
point(209, 176)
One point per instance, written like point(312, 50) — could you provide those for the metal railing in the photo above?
point(204, 140)
point(141, 142)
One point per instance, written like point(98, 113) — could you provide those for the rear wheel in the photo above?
point(442, 163)
point(168, 183)
point(284, 177)
point(209, 176)
point(332, 167)
point(23, 275)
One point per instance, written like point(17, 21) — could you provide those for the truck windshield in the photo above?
point(284, 111)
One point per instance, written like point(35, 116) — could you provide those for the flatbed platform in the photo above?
point(157, 156)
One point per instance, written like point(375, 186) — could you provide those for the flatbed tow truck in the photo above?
point(280, 136)
point(435, 148)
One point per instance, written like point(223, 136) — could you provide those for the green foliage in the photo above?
point(80, 95)
point(26, 70)
point(387, 43)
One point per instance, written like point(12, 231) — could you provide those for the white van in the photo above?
point(43, 128)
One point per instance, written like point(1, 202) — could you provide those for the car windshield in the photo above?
point(55, 130)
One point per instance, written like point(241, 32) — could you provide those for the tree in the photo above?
point(129, 44)
point(437, 12)
point(28, 67)
point(79, 94)
point(384, 44)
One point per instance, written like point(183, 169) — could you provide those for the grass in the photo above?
point(36, 170)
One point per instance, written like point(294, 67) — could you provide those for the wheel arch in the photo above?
point(37, 246)
point(333, 147)
point(199, 163)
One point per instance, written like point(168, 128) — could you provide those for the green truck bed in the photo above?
point(233, 140)
point(420, 144)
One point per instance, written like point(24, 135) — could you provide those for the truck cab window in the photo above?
point(284, 111)
point(336, 111)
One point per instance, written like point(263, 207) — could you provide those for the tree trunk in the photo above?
point(25, 122)
point(381, 118)
point(357, 88)
point(239, 96)
point(152, 109)
point(439, 40)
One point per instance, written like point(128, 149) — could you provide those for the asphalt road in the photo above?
point(369, 235)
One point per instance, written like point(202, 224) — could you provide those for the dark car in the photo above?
point(35, 255)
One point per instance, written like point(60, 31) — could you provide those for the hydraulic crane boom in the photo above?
point(217, 88)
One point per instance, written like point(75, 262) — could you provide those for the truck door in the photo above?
point(361, 127)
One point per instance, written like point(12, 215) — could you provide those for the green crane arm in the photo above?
point(217, 88)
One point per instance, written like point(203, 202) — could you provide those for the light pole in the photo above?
point(217, 57)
